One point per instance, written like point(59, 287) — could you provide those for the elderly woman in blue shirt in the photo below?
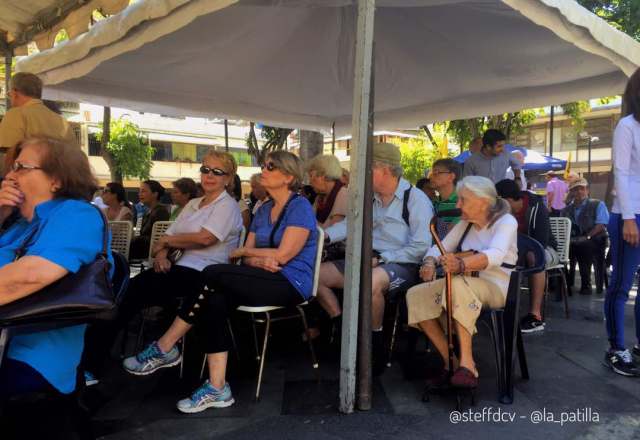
point(50, 184)
point(278, 269)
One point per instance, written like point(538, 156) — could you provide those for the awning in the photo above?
point(290, 63)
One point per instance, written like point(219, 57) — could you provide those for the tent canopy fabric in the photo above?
point(290, 63)
point(45, 18)
point(533, 160)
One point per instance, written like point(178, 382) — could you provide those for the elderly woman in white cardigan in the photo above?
point(480, 280)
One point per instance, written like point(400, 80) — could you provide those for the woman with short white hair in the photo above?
point(480, 279)
point(324, 176)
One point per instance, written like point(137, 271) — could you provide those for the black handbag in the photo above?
point(87, 293)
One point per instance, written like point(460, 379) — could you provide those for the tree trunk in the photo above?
point(116, 176)
point(311, 144)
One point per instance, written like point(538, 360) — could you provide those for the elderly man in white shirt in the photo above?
point(401, 216)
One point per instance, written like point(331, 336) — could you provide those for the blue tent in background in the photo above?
point(533, 161)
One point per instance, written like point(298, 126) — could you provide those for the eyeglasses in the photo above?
point(215, 171)
point(19, 166)
point(270, 166)
point(106, 191)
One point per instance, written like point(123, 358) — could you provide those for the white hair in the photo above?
point(484, 188)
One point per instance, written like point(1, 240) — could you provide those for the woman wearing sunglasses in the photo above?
point(278, 261)
point(206, 231)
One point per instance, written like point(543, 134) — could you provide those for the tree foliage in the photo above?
point(464, 131)
point(131, 152)
point(276, 138)
point(623, 15)
point(417, 154)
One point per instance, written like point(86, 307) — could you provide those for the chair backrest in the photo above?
point(138, 226)
point(158, 230)
point(121, 233)
point(316, 269)
point(561, 230)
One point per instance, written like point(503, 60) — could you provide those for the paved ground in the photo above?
point(567, 377)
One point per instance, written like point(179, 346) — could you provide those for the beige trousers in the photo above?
point(428, 300)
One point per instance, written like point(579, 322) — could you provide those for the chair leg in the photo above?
point(139, 339)
point(522, 355)
point(184, 351)
point(255, 336)
point(495, 330)
point(392, 343)
point(233, 340)
point(263, 354)
point(503, 379)
point(314, 359)
point(204, 363)
point(565, 293)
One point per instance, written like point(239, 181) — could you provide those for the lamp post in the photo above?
point(590, 139)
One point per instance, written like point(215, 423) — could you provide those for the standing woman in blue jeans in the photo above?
point(623, 231)
point(278, 262)
point(50, 184)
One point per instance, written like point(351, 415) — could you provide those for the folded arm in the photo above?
point(27, 275)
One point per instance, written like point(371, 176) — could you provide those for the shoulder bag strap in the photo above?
point(272, 242)
point(464, 235)
point(405, 205)
point(105, 236)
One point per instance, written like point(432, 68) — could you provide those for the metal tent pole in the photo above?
point(551, 131)
point(357, 198)
point(226, 135)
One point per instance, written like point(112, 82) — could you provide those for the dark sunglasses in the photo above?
point(19, 166)
point(270, 166)
point(215, 171)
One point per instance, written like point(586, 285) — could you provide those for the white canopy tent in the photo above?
point(290, 63)
point(307, 64)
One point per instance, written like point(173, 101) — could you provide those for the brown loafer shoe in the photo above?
point(464, 378)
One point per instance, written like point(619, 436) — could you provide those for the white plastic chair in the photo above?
point(158, 231)
point(121, 234)
point(561, 230)
point(267, 320)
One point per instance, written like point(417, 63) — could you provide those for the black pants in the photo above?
point(229, 287)
point(147, 289)
point(585, 253)
point(139, 248)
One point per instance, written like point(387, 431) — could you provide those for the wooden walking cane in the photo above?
point(448, 277)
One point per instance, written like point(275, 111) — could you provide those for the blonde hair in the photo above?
point(289, 164)
point(325, 166)
point(484, 188)
point(228, 164)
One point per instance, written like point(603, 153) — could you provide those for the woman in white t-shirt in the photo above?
point(487, 228)
point(206, 231)
point(330, 205)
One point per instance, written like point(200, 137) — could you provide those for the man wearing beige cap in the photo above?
point(401, 216)
point(589, 218)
